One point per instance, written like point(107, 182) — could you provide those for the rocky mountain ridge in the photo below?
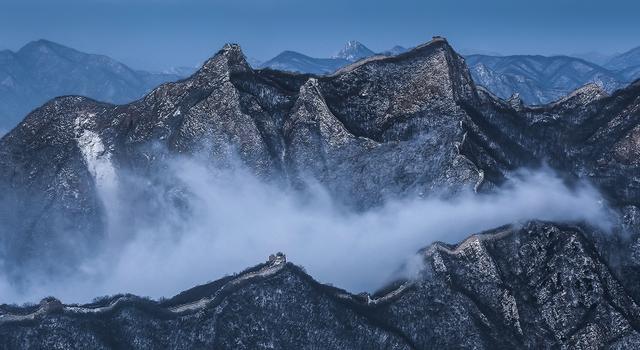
point(491, 291)
point(535, 79)
point(542, 285)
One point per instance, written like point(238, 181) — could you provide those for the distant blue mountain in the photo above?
point(540, 79)
point(536, 79)
point(42, 70)
point(628, 64)
point(596, 57)
point(296, 62)
point(396, 50)
point(352, 51)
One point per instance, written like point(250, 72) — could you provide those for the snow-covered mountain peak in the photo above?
point(353, 51)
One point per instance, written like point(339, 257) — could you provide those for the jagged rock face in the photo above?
point(404, 110)
point(588, 134)
point(418, 113)
point(384, 127)
point(595, 139)
point(540, 286)
point(252, 310)
point(428, 82)
point(49, 181)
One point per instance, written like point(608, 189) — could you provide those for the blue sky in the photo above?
point(156, 34)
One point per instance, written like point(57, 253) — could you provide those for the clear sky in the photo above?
point(157, 34)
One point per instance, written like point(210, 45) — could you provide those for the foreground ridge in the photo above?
point(51, 305)
point(540, 285)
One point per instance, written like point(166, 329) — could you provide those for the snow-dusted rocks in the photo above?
point(96, 157)
point(409, 125)
point(537, 286)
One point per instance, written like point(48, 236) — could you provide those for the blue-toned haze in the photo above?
point(158, 34)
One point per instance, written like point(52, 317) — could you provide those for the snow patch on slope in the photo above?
point(96, 157)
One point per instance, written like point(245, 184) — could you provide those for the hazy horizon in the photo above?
point(160, 34)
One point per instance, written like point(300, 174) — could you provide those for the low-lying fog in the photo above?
point(225, 222)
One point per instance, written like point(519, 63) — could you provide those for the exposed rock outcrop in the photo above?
point(384, 127)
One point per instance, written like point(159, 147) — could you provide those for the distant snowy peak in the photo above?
point(353, 51)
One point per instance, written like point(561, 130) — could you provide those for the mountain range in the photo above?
point(404, 126)
point(42, 70)
point(292, 61)
point(296, 62)
point(540, 79)
point(535, 79)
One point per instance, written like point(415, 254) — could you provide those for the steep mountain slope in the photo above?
point(540, 286)
point(336, 129)
point(539, 79)
point(536, 79)
point(42, 70)
point(405, 126)
point(588, 133)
